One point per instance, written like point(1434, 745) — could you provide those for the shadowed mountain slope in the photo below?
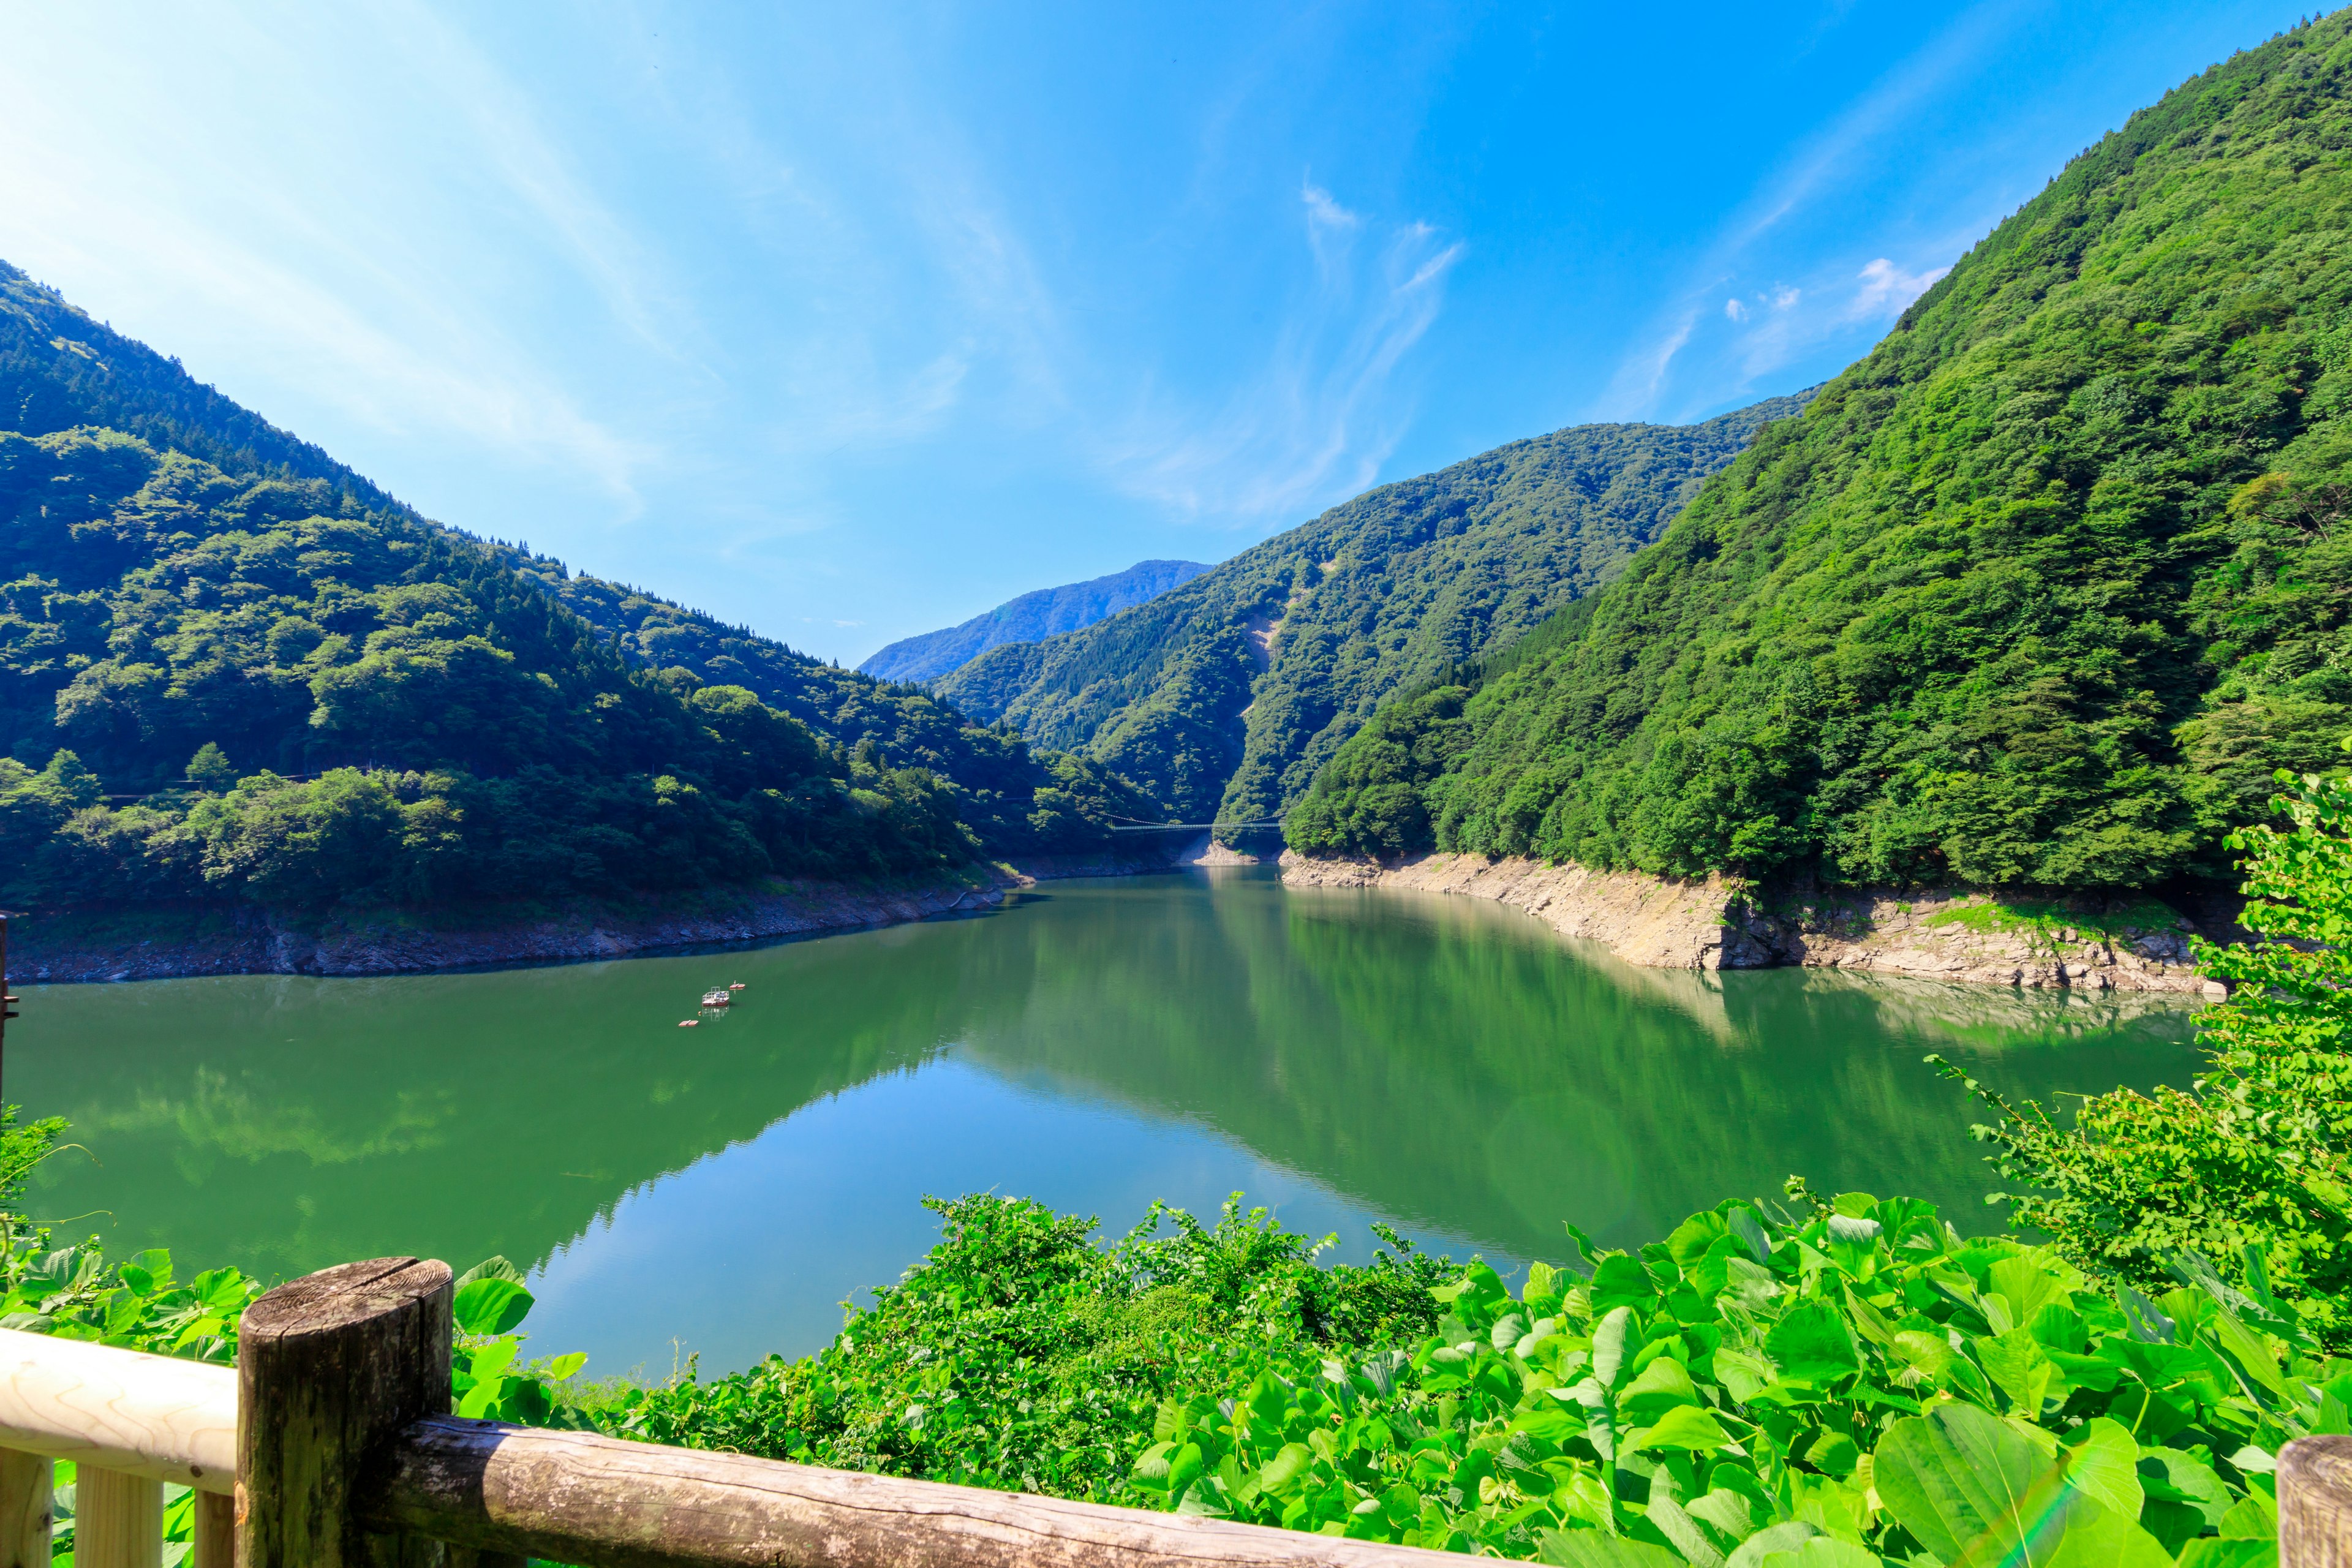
point(1045, 613)
point(1224, 696)
point(195, 605)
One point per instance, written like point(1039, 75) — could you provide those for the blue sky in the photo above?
point(849, 322)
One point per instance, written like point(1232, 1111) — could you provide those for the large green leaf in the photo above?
point(1686, 1535)
point(1591, 1548)
point(2103, 1463)
point(2024, 1285)
point(1811, 1344)
point(491, 1305)
point(1732, 1512)
point(2212, 1552)
point(494, 1266)
point(1664, 1384)
point(1977, 1493)
point(2020, 1368)
point(2076, 1534)
point(1284, 1468)
point(1949, 1475)
point(1823, 1552)
point(1684, 1426)
point(1783, 1539)
point(1609, 1347)
point(1691, 1239)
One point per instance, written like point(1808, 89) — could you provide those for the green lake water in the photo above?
point(1345, 1056)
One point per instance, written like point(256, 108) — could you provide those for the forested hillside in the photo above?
point(1224, 696)
point(2038, 592)
point(1047, 612)
point(193, 618)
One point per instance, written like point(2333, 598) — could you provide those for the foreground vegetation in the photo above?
point(2037, 595)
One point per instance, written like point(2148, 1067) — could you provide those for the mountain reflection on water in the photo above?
point(1444, 1064)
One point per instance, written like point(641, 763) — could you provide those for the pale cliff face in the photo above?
point(1718, 924)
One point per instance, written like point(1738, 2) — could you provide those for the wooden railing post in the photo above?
point(2314, 1503)
point(328, 1367)
point(27, 1503)
point(118, 1520)
point(214, 1544)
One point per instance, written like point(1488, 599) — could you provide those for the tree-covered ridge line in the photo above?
point(1224, 696)
point(2038, 592)
point(174, 631)
point(1018, 800)
point(60, 369)
point(1042, 613)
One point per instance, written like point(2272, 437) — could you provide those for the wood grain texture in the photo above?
point(118, 1520)
point(2314, 1503)
point(150, 1415)
point(214, 1544)
point(28, 1509)
point(599, 1502)
point(329, 1368)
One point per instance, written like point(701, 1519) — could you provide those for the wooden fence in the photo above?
point(331, 1446)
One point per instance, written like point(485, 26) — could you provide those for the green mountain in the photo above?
point(1223, 696)
point(2038, 592)
point(196, 606)
point(1045, 613)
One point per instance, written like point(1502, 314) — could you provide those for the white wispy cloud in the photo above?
point(1775, 325)
point(355, 314)
point(1323, 212)
point(1314, 425)
point(510, 142)
point(1885, 289)
point(1649, 373)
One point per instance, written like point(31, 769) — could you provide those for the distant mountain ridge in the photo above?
point(1223, 697)
point(1045, 613)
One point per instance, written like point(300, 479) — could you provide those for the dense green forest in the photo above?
point(229, 669)
point(1223, 696)
point(2040, 593)
point(1045, 613)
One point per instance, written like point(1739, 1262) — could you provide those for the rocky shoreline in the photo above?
point(1938, 934)
point(177, 943)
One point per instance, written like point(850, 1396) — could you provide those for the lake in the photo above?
point(1344, 1056)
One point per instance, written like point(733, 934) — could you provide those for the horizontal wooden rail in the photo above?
point(149, 1415)
point(334, 1438)
point(599, 1502)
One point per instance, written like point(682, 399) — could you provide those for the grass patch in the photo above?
point(2045, 921)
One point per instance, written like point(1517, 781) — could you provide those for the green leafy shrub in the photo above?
point(1852, 1385)
point(488, 1378)
point(1862, 1379)
point(1021, 1356)
point(2253, 1152)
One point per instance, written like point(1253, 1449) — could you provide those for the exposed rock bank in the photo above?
point(1718, 924)
point(154, 945)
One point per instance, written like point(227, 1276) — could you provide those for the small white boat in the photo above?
point(718, 998)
